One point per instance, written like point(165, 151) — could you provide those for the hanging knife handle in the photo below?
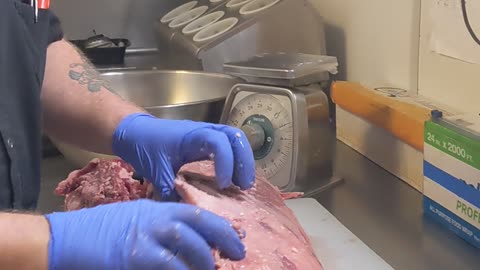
point(38, 4)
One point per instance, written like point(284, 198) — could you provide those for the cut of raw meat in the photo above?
point(273, 237)
point(270, 231)
point(101, 182)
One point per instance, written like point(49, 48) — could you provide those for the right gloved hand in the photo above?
point(158, 148)
point(140, 234)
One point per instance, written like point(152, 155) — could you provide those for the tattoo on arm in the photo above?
point(87, 75)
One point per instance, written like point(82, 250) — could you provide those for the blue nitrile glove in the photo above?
point(158, 148)
point(140, 234)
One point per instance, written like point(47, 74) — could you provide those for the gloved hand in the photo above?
point(158, 148)
point(140, 234)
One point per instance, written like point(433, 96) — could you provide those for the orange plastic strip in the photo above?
point(404, 120)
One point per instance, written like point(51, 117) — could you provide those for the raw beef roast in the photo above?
point(271, 233)
point(101, 182)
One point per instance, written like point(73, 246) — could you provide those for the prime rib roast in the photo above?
point(271, 233)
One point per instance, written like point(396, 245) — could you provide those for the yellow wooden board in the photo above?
point(404, 118)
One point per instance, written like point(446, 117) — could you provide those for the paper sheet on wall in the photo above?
point(449, 36)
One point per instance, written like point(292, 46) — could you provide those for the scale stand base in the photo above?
point(332, 182)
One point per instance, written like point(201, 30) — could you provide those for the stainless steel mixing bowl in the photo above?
point(174, 94)
point(166, 94)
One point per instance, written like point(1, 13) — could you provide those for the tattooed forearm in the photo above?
point(85, 74)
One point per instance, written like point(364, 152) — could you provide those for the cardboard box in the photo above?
point(401, 159)
point(452, 175)
point(372, 120)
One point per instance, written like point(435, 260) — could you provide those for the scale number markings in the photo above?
point(270, 107)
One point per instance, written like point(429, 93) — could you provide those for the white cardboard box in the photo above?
point(401, 159)
point(452, 175)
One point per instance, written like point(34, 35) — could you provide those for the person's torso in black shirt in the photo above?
point(23, 45)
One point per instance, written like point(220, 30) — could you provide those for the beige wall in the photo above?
point(385, 43)
point(375, 40)
point(447, 80)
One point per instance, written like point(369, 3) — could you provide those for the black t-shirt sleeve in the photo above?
point(55, 31)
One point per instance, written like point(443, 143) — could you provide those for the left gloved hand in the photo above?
point(158, 148)
point(140, 234)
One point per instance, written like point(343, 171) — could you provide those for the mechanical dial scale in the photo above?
point(272, 109)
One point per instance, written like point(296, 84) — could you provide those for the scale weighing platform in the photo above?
point(284, 113)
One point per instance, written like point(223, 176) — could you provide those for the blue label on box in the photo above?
point(452, 221)
point(451, 183)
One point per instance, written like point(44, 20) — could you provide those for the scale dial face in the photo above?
point(272, 116)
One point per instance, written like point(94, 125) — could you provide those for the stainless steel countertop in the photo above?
point(387, 215)
point(379, 208)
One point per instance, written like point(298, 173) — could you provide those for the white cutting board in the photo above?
point(336, 247)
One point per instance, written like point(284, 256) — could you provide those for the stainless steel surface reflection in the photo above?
point(174, 94)
point(387, 215)
point(253, 34)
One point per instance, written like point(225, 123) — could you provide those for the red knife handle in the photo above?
point(43, 4)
